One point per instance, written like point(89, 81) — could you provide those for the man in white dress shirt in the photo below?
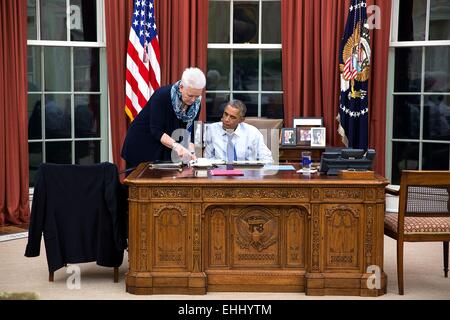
point(234, 140)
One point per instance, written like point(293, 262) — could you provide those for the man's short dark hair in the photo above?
point(238, 104)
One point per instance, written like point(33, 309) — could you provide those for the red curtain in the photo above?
point(311, 35)
point(118, 21)
point(183, 38)
point(378, 83)
point(14, 183)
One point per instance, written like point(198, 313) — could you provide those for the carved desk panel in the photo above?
point(264, 231)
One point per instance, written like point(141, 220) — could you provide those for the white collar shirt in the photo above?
point(247, 139)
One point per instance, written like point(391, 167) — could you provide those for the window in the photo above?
point(244, 57)
point(419, 102)
point(67, 101)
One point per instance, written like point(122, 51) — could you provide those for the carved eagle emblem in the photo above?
point(257, 230)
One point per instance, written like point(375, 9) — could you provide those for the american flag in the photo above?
point(143, 75)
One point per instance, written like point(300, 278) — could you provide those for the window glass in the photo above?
point(57, 116)
point(34, 117)
point(249, 66)
point(31, 20)
point(405, 156)
point(419, 99)
point(436, 121)
point(83, 20)
point(87, 152)
point(219, 22)
point(245, 22)
point(245, 70)
point(35, 157)
point(58, 152)
point(251, 102)
point(406, 117)
point(412, 20)
point(271, 22)
point(86, 69)
point(57, 69)
point(215, 104)
point(66, 87)
point(435, 156)
point(271, 70)
point(272, 106)
point(437, 69)
point(53, 20)
point(439, 20)
point(87, 116)
point(34, 69)
point(408, 69)
point(218, 75)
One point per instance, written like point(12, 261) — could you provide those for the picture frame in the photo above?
point(318, 137)
point(288, 137)
point(308, 121)
point(303, 135)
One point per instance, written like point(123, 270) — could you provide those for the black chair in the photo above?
point(81, 210)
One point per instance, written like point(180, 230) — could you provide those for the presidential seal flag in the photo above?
point(143, 74)
point(354, 64)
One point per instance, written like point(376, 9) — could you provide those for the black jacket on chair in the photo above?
point(81, 210)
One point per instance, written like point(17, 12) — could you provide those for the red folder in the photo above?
point(222, 172)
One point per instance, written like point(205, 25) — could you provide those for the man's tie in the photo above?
point(230, 149)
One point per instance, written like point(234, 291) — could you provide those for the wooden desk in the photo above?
point(294, 153)
point(277, 233)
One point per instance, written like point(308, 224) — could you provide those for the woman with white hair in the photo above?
point(171, 107)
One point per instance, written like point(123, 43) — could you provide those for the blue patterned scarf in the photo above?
point(190, 113)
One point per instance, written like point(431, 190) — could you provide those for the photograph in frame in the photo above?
point(303, 135)
point(318, 137)
point(288, 137)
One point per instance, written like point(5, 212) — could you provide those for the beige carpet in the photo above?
point(423, 277)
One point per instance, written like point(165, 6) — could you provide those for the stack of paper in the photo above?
point(222, 172)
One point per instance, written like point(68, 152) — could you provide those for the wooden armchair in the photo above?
point(423, 214)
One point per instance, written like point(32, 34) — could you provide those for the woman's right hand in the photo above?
point(183, 153)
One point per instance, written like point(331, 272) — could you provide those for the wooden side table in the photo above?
point(294, 153)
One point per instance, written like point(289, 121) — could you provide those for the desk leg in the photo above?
point(197, 279)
